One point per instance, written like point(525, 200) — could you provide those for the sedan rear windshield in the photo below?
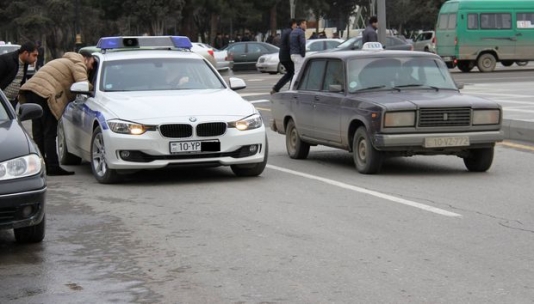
point(157, 74)
point(388, 73)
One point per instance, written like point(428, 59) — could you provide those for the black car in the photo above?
point(392, 43)
point(377, 103)
point(246, 54)
point(22, 175)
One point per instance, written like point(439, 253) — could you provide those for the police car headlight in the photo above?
point(486, 117)
point(21, 167)
point(126, 127)
point(248, 123)
point(399, 119)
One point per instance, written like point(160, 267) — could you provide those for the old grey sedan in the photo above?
point(378, 103)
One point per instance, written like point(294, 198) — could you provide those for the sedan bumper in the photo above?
point(22, 209)
point(386, 141)
point(267, 67)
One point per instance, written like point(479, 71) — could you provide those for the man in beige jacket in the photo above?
point(50, 88)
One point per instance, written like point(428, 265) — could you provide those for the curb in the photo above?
point(522, 130)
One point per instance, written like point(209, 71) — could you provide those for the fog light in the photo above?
point(125, 154)
point(27, 211)
point(253, 148)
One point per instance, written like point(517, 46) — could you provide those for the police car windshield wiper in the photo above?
point(414, 85)
point(374, 88)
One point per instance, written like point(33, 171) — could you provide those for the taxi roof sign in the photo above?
point(109, 43)
point(372, 46)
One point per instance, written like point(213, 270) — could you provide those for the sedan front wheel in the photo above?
point(367, 159)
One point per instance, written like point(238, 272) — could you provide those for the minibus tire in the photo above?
point(507, 63)
point(486, 62)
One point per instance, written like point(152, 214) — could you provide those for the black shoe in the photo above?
point(58, 171)
point(273, 91)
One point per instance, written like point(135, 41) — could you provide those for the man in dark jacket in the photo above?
point(297, 44)
point(14, 69)
point(285, 57)
point(369, 34)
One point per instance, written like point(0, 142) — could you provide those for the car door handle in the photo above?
point(243, 55)
point(512, 38)
point(316, 98)
point(519, 34)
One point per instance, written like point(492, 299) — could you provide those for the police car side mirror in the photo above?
point(459, 85)
point(237, 83)
point(81, 87)
point(29, 111)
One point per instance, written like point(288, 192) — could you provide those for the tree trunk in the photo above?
point(273, 18)
point(214, 22)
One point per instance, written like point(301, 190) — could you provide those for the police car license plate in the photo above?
point(438, 142)
point(447, 59)
point(186, 146)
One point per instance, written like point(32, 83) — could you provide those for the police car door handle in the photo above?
point(316, 98)
point(519, 34)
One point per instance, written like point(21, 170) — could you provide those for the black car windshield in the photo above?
point(158, 74)
point(402, 73)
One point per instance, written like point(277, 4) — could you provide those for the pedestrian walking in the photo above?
point(369, 34)
point(50, 88)
point(14, 70)
point(285, 57)
point(297, 45)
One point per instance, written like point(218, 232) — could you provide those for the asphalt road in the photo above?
point(311, 231)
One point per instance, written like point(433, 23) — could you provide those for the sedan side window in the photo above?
point(256, 48)
point(334, 75)
point(316, 46)
point(238, 48)
point(313, 77)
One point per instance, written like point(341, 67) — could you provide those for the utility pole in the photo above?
point(381, 9)
point(292, 8)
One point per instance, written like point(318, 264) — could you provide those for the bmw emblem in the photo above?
point(192, 119)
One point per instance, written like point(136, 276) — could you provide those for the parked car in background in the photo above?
point(205, 51)
point(317, 45)
point(381, 103)
point(425, 42)
point(246, 54)
point(392, 43)
point(270, 63)
point(22, 175)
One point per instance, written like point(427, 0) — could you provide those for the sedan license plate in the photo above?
point(447, 59)
point(439, 142)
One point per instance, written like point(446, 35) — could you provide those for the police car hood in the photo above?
point(157, 106)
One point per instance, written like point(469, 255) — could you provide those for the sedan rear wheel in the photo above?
point(367, 159)
point(296, 148)
point(101, 171)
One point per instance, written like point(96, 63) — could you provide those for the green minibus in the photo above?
point(481, 33)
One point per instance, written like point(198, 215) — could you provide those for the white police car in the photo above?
point(154, 104)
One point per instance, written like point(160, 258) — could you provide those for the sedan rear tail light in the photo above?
point(211, 53)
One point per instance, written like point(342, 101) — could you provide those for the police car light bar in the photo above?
point(108, 43)
point(372, 46)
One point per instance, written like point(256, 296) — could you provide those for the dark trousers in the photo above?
point(290, 71)
point(44, 130)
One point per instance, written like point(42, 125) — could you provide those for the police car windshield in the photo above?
point(405, 73)
point(158, 74)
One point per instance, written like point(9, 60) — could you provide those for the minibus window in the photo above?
point(525, 20)
point(472, 21)
point(452, 22)
point(443, 18)
point(495, 21)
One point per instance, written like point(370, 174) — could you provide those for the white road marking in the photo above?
point(259, 101)
point(368, 192)
point(253, 94)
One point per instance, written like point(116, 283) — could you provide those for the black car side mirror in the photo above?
point(29, 111)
